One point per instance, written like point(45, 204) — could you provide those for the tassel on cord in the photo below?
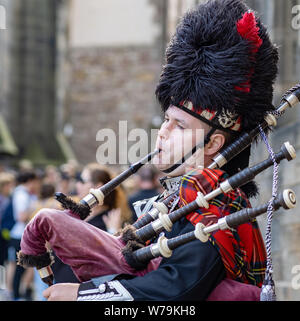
point(268, 287)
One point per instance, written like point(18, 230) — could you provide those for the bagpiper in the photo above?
point(218, 76)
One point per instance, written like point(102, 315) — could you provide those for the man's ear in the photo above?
point(215, 143)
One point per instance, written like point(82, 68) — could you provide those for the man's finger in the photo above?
point(47, 292)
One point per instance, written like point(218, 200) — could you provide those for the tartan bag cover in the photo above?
point(242, 250)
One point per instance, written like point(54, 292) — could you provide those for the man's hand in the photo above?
point(113, 220)
point(62, 292)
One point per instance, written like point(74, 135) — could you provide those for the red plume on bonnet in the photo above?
point(247, 28)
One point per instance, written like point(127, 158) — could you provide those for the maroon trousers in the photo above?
point(88, 250)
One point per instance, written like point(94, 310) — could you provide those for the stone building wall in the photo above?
point(115, 60)
point(109, 85)
point(28, 69)
point(4, 37)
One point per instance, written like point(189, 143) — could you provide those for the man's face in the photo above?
point(178, 134)
point(86, 184)
point(34, 186)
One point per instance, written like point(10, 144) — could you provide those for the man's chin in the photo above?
point(165, 169)
point(159, 162)
point(161, 166)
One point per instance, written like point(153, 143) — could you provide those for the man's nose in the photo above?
point(164, 131)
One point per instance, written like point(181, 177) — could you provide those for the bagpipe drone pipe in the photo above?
point(49, 225)
point(164, 247)
point(96, 195)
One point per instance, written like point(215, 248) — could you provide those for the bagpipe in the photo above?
point(164, 247)
point(92, 252)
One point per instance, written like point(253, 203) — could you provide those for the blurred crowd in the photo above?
point(26, 190)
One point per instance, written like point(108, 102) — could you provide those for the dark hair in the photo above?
point(26, 176)
point(147, 173)
point(47, 190)
point(65, 176)
point(101, 176)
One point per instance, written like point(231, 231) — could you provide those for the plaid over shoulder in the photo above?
point(242, 250)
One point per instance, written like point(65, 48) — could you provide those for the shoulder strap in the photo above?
point(138, 205)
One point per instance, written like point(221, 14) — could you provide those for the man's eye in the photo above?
point(179, 126)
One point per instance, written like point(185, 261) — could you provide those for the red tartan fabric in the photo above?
point(242, 250)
